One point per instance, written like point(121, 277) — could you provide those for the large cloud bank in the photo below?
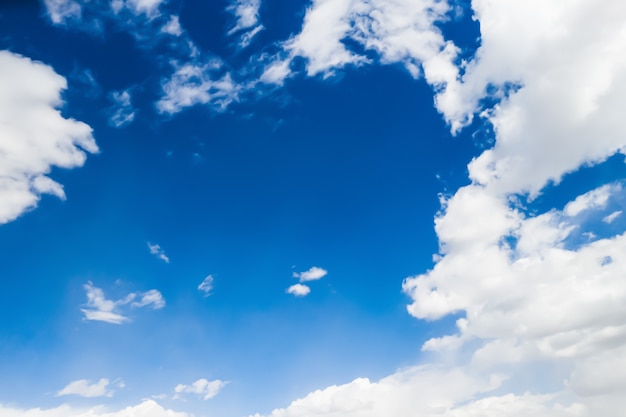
point(541, 297)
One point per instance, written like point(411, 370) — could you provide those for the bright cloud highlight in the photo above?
point(34, 136)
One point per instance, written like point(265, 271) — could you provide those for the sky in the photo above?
point(270, 208)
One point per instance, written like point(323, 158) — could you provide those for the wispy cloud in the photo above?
point(84, 388)
point(206, 285)
point(61, 11)
point(611, 217)
point(247, 20)
point(198, 83)
point(122, 111)
point(157, 251)
point(202, 387)
point(99, 308)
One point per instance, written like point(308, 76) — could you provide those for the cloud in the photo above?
point(195, 83)
point(206, 285)
point(83, 388)
point(34, 136)
point(152, 298)
point(541, 312)
point(122, 111)
point(145, 408)
point(61, 11)
point(172, 26)
point(611, 217)
point(299, 290)
point(99, 308)
point(313, 274)
point(402, 31)
point(149, 8)
point(202, 387)
point(247, 20)
point(158, 252)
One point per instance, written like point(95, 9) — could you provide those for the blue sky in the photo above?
point(316, 208)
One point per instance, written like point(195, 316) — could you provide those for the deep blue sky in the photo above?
point(345, 170)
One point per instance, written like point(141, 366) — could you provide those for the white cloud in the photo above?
point(149, 8)
point(591, 200)
point(122, 112)
point(399, 31)
point(60, 11)
point(194, 83)
point(611, 217)
point(144, 409)
point(544, 309)
point(299, 290)
point(34, 136)
point(172, 26)
point(152, 298)
point(206, 285)
point(99, 308)
point(247, 20)
point(313, 274)
point(83, 388)
point(157, 251)
point(202, 387)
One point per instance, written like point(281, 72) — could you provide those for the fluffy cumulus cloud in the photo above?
point(399, 31)
point(203, 388)
point(99, 308)
point(34, 136)
point(313, 274)
point(146, 408)
point(84, 388)
point(299, 290)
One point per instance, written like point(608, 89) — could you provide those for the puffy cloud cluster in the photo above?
point(99, 308)
point(399, 31)
point(34, 136)
point(313, 274)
